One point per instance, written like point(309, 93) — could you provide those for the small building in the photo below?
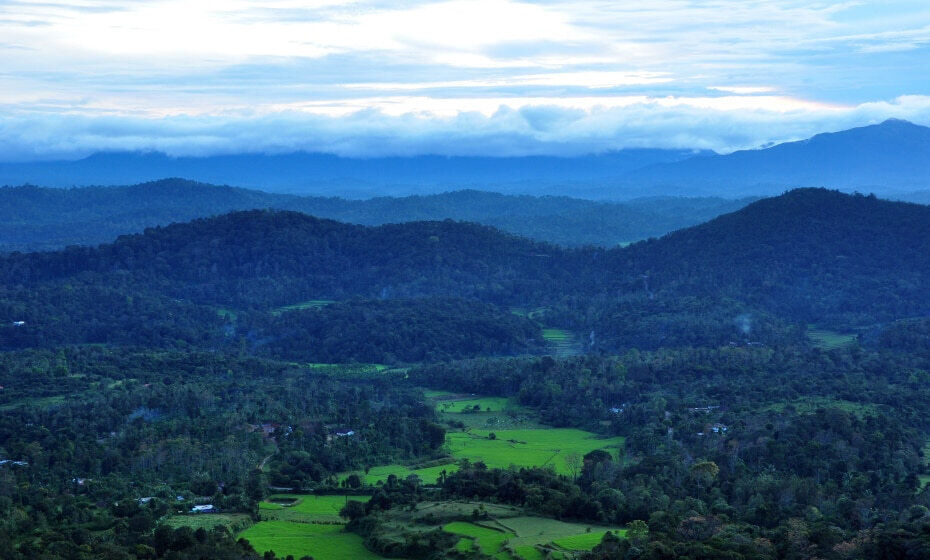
point(206, 508)
point(146, 499)
point(338, 432)
point(719, 428)
point(19, 323)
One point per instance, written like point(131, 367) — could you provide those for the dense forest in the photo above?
point(764, 377)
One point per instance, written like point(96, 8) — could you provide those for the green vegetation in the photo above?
point(563, 342)
point(233, 522)
point(807, 405)
point(307, 508)
point(527, 448)
point(829, 340)
point(586, 541)
point(488, 541)
point(324, 542)
point(309, 304)
point(468, 405)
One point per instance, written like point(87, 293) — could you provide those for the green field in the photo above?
point(484, 404)
point(586, 541)
point(527, 448)
point(322, 542)
point(522, 448)
point(526, 536)
point(829, 340)
point(234, 522)
point(562, 342)
point(489, 541)
point(306, 507)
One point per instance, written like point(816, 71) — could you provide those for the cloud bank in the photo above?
point(498, 77)
point(531, 129)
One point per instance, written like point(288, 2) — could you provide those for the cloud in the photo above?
point(530, 129)
point(453, 76)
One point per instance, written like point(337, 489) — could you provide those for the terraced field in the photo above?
point(829, 340)
point(526, 538)
point(562, 342)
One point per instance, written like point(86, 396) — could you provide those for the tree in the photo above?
point(352, 511)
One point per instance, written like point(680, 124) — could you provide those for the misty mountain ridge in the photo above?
point(330, 175)
point(35, 218)
point(890, 159)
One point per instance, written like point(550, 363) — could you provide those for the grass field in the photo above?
point(485, 404)
point(322, 542)
point(585, 541)
point(234, 522)
point(520, 447)
point(924, 479)
point(562, 342)
point(306, 508)
point(829, 340)
point(526, 448)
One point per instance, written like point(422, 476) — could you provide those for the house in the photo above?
point(719, 428)
point(338, 432)
point(702, 409)
point(80, 481)
point(206, 508)
point(12, 462)
point(146, 500)
point(19, 323)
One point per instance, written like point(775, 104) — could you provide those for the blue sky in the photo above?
point(489, 77)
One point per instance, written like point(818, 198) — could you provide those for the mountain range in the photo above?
point(36, 218)
point(810, 255)
point(890, 159)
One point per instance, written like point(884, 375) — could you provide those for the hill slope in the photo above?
point(810, 254)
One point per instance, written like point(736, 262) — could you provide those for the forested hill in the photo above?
point(268, 258)
point(808, 254)
point(36, 218)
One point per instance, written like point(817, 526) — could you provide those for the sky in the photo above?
point(459, 77)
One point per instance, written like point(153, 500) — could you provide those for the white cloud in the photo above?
point(509, 130)
point(552, 76)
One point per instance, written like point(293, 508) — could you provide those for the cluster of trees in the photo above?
point(391, 331)
point(85, 428)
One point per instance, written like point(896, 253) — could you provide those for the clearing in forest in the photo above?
point(560, 448)
point(829, 340)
